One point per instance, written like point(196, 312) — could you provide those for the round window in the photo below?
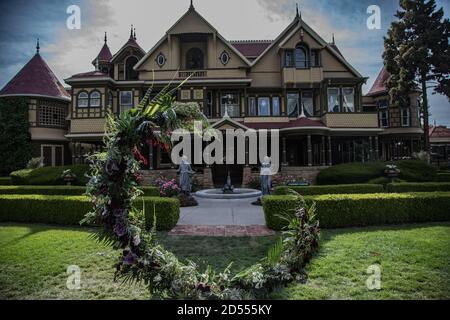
point(161, 60)
point(224, 58)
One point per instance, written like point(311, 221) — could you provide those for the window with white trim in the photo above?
point(94, 99)
point(333, 100)
point(348, 100)
point(276, 110)
point(292, 104)
point(405, 115)
point(83, 100)
point(264, 106)
point(252, 107)
point(308, 103)
point(126, 100)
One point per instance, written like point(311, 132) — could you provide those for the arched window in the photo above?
point(94, 99)
point(83, 100)
point(194, 59)
point(131, 74)
point(301, 57)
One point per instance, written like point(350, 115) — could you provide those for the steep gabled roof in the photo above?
point(192, 11)
point(131, 43)
point(251, 49)
point(294, 27)
point(35, 79)
point(439, 132)
point(379, 85)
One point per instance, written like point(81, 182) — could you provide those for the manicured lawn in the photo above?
point(415, 262)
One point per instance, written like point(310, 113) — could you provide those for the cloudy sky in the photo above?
point(71, 51)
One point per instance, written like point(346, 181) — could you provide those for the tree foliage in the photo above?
point(416, 54)
point(15, 140)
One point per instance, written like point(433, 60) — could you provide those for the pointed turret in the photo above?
point(35, 79)
point(104, 56)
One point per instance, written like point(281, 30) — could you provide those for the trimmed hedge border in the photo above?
point(443, 177)
point(359, 210)
point(418, 187)
point(5, 181)
point(70, 210)
point(63, 190)
point(331, 189)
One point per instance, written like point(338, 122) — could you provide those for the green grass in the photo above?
point(415, 262)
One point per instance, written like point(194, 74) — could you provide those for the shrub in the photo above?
point(349, 173)
point(16, 147)
point(70, 210)
point(255, 183)
point(187, 200)
point(443, 177)
point(49, 175)
point(5, 181)
point(338, 211)
point(418, 187)
point(333, 189)
point(167, 187)
point(62, 190)
point(416, 171)
point(35, 163)
point(167, 212)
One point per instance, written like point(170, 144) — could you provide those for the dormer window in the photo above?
point(130, 73)
point(301, 57)
point(194, 59)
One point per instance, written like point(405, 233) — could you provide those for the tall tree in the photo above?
point(416, 55)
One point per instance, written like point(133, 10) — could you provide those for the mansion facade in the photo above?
point(298, 83)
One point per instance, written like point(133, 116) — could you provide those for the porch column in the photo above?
point(309, 151)
point(322, 152)
point(370, 149)
point(377, 151)
point(150, 156)
point(247, 159)
point(330, 161)
point(284, 152)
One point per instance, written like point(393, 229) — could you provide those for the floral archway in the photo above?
point(113, 188)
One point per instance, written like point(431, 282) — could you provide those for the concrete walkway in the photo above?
point(214, 212)
point(222, 218)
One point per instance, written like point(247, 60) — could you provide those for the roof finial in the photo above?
point(97, 67)
point(38, 47)
point(297, 13)
point(134, 35)
point(332, 40)
point(131, 32)
point(192, 5)
point(106, 38)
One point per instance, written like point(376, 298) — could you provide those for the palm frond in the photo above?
point(275, 253)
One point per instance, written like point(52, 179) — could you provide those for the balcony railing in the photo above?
point(192, 74)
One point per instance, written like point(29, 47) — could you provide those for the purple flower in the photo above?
point(130, 258)
point(119, 212)
point(120, 229)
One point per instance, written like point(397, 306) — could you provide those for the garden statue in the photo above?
point(265, 176)
point(186, 174)
point(228, 187)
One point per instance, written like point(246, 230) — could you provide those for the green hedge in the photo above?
point(5, 181)
point(418, 187)
point(355, 210)
point(69, 210)
point(350, 173)
point(333, 189)
point(443, 177)
point(49, 176)
point(62, 190)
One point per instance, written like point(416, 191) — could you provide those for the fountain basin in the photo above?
point(239, 193)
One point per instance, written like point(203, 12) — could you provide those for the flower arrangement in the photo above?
point(167, 187)
point(113, 189)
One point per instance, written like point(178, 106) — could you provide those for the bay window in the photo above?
point(94, 99)
point(308, 103)
point(348, 99)
point(230, 102)
point(333, 100)
point(292, 104)
point(83, 100)
point(276, 106)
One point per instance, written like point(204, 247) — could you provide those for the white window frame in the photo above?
point(408, 117)
point(380, 113)
point(343, 108)
point(268, 106)
point(338, 98)
point(276, 98)
point(86, 99)
point(91, 99)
